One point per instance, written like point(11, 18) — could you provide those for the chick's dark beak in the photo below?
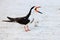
point(40, 12)
point(36, 9)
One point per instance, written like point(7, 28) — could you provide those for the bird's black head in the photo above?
point(32, 7)
point(36, 9)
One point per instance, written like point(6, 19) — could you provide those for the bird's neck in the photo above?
point(29, 13)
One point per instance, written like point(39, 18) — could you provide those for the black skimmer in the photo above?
point(23, 20)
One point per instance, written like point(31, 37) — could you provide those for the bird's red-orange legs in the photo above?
point(26, 28)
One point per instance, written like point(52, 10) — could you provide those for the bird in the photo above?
point(23, 20)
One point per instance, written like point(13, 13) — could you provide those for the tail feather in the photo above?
point(10, 20)
point(7, 21)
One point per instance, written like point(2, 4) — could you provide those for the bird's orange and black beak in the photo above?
point(36, 9)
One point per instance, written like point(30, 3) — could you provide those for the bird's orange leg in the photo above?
point(26, 28)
